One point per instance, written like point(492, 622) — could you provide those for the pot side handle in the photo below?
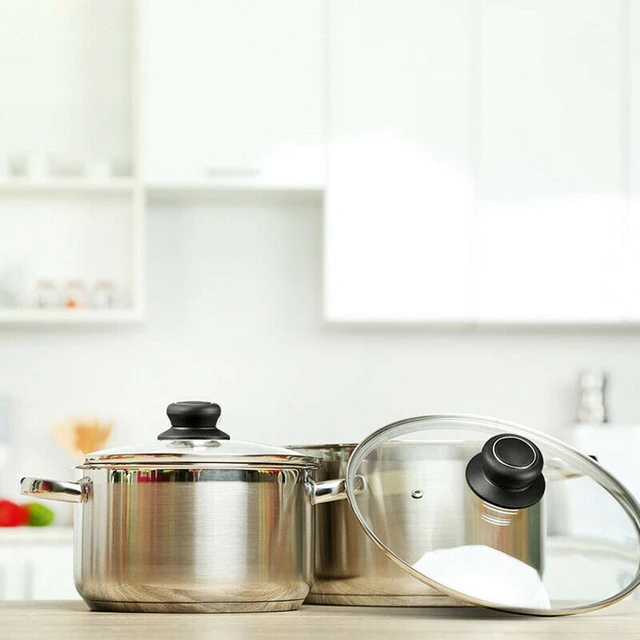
point(55, 490)
point(332, 490)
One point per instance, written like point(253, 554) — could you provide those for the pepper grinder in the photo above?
point(593, 402)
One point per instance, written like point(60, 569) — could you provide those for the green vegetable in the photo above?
point(39, 515)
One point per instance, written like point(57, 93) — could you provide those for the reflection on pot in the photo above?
point(349, 567)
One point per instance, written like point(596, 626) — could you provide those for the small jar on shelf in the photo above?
point(47, 295)
point(104, 295)
point(75, 296)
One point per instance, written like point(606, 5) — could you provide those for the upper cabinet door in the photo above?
point(399, 203)
point(232, 91)
point(479, 165)
point(631, 45)
point(552, 216)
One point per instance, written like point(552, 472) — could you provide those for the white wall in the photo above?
point(235, 316)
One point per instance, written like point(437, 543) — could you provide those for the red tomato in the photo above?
point(12, 514)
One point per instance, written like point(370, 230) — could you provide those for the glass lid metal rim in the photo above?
point(583, 463)
point(170, 460)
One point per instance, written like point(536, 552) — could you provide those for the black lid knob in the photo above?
point(507, 472)
point(193, 420)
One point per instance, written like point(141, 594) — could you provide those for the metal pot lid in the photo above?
point(496, 514)
point(195, 439)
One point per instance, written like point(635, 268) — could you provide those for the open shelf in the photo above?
point(77, 210)
point(195, 187)
point(196, 192)
point(30, 315)
point(83, 185)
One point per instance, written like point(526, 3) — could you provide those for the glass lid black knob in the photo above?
point(193, 420)
point(507, 472)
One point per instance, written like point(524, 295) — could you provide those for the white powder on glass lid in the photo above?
point(486, 574)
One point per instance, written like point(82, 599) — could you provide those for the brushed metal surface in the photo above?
point(349, 567)
point(194, 539)
point(418, 500)
point(517, 532)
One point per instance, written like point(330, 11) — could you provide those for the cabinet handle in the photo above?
point(231, 172)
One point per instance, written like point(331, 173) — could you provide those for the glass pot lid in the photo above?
point(194, 439)
point(496, 514)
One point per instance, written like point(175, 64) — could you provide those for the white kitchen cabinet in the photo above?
point(479, 162)
point(49, 570)
point(71, 203)
point(632, 35)
point(399, 201)
point(231, 92)
point(66, 80)
point(552, 210)
point(37, 564)
point(12, 575)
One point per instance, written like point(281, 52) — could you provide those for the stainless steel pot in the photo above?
point(457, 502)
point(194, 522)
point(198, 522)
point(349, 568)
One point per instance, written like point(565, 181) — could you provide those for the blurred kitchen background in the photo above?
point(324, 215)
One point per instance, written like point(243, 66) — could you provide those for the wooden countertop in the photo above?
point(70, 620)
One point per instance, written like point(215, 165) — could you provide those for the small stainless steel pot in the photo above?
point(349, 567)
point(194, 522)
point(351, 570)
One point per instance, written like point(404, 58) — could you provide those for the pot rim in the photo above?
point(318, 447)
point(198, 453)
point(171, 464)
